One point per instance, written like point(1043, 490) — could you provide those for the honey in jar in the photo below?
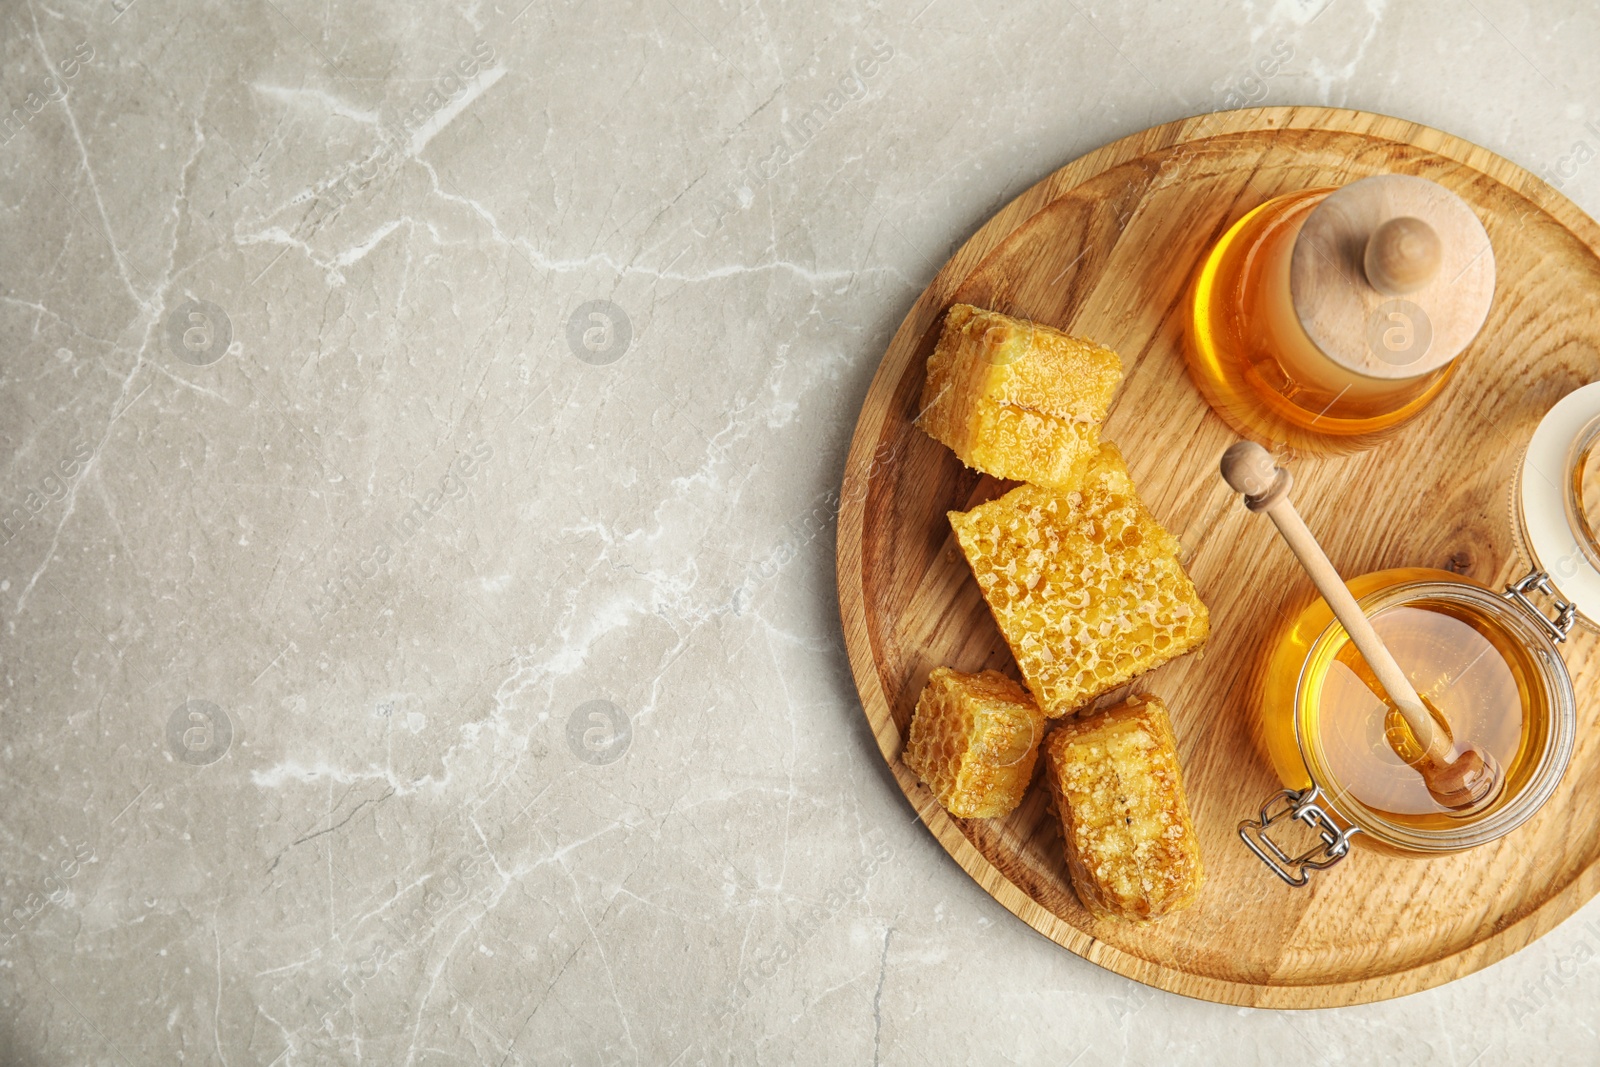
point(1582, 503)
point(1487, 671)
point(1326, 318)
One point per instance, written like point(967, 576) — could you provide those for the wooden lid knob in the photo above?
point(1402, 256)
point(1392, 276)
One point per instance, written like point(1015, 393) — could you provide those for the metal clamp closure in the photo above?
point(1566, 614)
point(1305, 807)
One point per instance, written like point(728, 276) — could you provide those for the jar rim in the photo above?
point(1550, 672)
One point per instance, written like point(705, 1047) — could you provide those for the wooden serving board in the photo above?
point(1104, 248)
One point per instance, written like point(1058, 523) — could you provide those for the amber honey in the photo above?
point(1254, 362)
point(1583, 492)
point(1472, 658)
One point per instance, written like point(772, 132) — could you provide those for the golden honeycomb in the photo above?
point(974, 739)
point(1085, 585)
point(1016, 399)
point(1117, 786)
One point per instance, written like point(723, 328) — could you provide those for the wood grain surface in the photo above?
point(1105, 247)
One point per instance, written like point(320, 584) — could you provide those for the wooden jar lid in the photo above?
point(1392, 276)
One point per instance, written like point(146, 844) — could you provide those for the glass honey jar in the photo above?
point(1347, 763)
point(1324, 319)
point(1341, 752)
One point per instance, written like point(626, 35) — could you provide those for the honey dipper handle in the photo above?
point(1250, 470)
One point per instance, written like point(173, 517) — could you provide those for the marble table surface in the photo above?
point(418, 641)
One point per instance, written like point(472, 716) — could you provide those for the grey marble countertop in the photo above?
point(418, 641)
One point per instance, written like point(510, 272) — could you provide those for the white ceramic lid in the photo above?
point(1543, 487)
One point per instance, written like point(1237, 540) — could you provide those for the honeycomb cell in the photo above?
point(1016, 399)
point(1093, 611)
point(974, 739)
point(1130, 842)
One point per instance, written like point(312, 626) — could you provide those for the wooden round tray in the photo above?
point(1104, 248)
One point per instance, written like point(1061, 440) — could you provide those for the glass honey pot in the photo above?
point(1342, 754)
point(1325, 318)
point(1485, 662)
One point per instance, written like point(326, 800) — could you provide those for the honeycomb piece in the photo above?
point(974, 739)
point(1085, 584)
point(1131, 846)
point(1016, 399)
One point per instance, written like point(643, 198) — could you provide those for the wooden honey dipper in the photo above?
point(1459, 777)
